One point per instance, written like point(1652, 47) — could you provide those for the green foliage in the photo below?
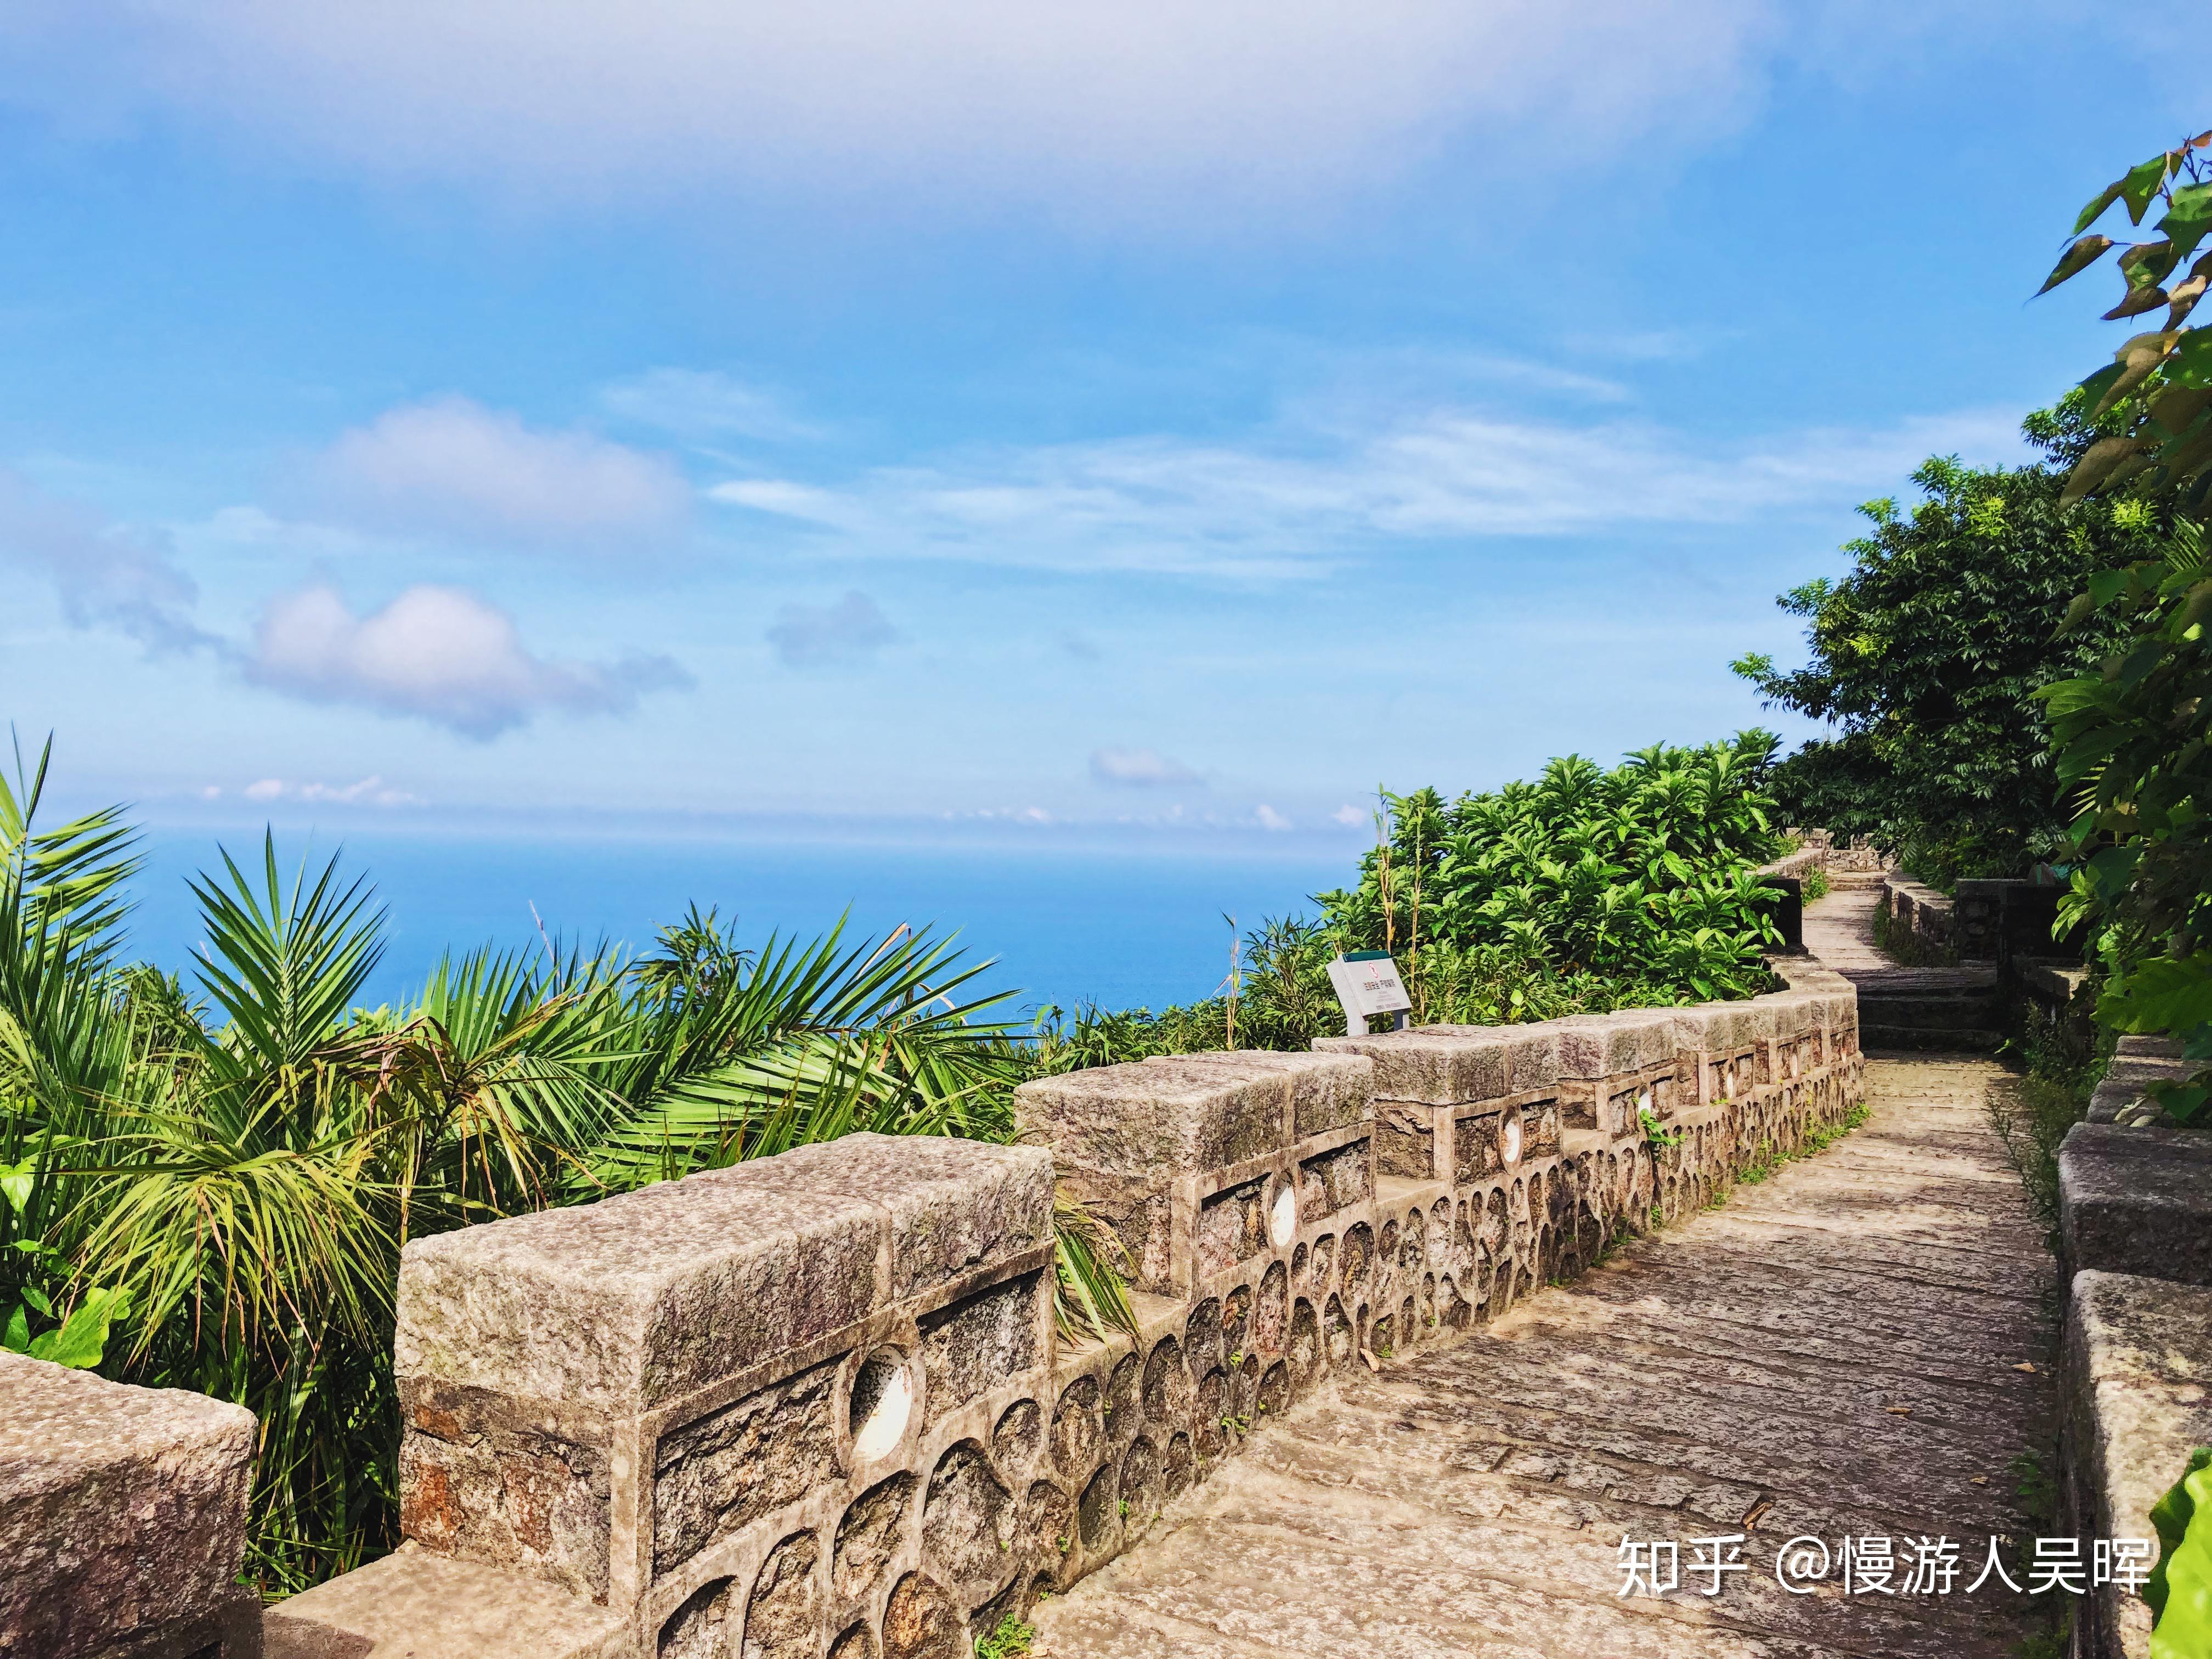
point(2130, 737)
point(1586, 890)
point(1926, 657)
point(1011, 1640)
point(2179, 1590)
point(209, 1187)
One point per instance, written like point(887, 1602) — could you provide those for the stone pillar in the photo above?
point(122, 1520)
point(781, 1408)
point(1202, 1161)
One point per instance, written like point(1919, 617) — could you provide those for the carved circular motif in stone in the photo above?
point(1283, 1217)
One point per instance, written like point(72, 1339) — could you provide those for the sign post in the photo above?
point(1367, 984)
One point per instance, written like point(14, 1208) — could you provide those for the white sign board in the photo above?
point(1369, 986)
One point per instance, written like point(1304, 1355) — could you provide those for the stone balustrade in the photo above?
point(2135, 1246)
point(122, 1520)
point(817, 1405)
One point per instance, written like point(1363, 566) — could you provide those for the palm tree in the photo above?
point(209, 1186)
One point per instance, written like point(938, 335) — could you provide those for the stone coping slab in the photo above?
point(1325, 1093)
point(414, 1605)
point(638, 1299)
point(2137, 1061)
point(1433, 1065)
point(951, 1206)
point(2138, 1396)
point(1182, 1115)
point(122, 1508)
point(2136, 1199)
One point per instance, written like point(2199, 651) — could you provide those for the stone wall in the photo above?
point(2136, 1249)
point(817, 1405)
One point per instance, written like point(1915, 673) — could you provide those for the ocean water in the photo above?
point(1062, 928)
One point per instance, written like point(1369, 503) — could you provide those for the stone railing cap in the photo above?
point(952, 1205)
point(1179, 1115)
point(639, 1298)
point(122, 1508)
point(1327, 1091)
point(1609, 1045)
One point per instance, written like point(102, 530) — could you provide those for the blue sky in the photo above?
point(1156, 424)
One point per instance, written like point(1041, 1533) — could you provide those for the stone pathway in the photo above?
point(1836, 1351)
point(1940, 1008)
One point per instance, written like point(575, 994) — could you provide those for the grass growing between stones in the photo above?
point(1902, 945)
point(1770, 1159)
point(2031, 1115)
point(1010, 1640)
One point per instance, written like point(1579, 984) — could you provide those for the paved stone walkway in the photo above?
point(1911, 1008)
point(1835, 1351)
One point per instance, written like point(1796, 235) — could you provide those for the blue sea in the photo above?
point(1061, 926)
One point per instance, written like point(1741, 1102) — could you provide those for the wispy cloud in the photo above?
point(703, 405)
point(436, 653)
point(1301, 499)
point(366, 792)
point(452, 467)
point(1141, 769)
point(1225, 106)
point(104, 575)
point(813, 637)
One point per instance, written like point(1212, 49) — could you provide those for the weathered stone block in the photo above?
point(1756, 1021)
point(1174, 1116)
point(725, 1470)
point(1404, 1139)
point(122, 1509)
point(1232, 1227)
point(1334, 1180)
point(1612, 1045)
point(953, 1206)
point(415, 1605)
point(639, 1299)
point(2138, 1062)
point(1330, 1090)
point(2138, 1388)
point(512, 1493)
point(1796, 1015)
point(1142, 1216)
point(1433, 1065)
point(2136, 1199)
point(981, 1342)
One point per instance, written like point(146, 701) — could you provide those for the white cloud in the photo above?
point(808, 637)
point(452, 467)
point(1348, 813)
point(367, 791)
point(1142, 768)
point(789, 499)
point(699, 405)
point(437, 653)
point(1220, 105)
point(106, 576)
point(1305, 496)
point(1270, 818)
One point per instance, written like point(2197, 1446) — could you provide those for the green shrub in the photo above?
point(1586, 889)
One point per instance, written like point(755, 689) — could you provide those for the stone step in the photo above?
point(1926, 1014)
point(1929, 1039)
point(1854, 881)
